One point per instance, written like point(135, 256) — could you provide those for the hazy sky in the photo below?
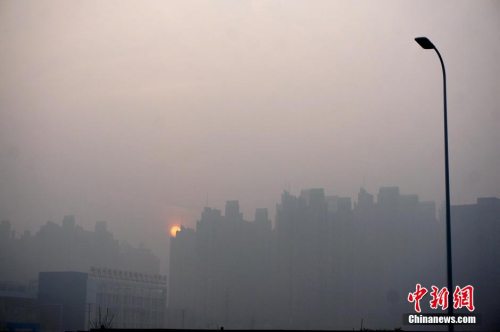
point(133, 111)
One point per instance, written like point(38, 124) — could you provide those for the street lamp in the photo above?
point(428, 45)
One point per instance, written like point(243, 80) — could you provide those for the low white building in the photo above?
point(126, 299)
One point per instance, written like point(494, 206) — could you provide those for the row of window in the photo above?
point(140, 291)
point(131, 301)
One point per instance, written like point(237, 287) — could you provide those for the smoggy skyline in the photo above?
point(136, 112)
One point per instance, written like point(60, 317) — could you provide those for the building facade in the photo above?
point(18, 306)
point(68, 247)
point(325, 265)
point(71, 301)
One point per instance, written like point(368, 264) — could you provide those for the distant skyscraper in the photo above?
point(233, 210)
point(262, 219)
point(68, 247)
point(324, 265)
point(344, 204)
point(365, 199)
point(388, 197)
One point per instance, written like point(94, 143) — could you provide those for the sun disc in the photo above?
point(174, 229)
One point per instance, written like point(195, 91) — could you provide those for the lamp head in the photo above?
point(425, 43)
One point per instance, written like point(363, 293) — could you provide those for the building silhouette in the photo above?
point(68, 247)
point(327, 263)
point(476, 256)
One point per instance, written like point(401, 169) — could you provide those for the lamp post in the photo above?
point(428, 45)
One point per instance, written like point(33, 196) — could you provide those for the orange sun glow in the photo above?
point(174, 229)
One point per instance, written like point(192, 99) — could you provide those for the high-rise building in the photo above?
point(68, 247)
point(321, 267)
point(475, 234)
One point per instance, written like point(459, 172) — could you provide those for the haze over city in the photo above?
point(141, 114)
point(134, 113)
